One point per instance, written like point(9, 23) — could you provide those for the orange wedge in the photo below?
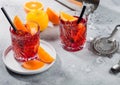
point(53, 16)
point(67, 17)
point(81, 31)
point(33, 64)
point(18, 24)
point(32, 27)
point(33, 5)
point(44, 56)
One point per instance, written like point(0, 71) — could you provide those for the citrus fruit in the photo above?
point(53, 16)
point(32, 27)
point(33, 5)
point(40, 17)
point(44, 56)
point(67, 17)
point(33, 64)
point(18, 24)
point(81, 28)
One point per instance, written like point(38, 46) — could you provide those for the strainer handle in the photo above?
point(114, 33)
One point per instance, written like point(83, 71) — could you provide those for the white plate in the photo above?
point(14, 66)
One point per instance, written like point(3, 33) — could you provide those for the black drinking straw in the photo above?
point(81, 15)
point(8, 18)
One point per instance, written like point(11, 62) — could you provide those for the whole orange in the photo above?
point(40, 17)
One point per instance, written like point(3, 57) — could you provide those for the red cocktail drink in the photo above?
point(25, 45)
point(73, 35)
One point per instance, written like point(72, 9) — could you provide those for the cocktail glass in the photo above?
point(24, 44)
point(73, 35)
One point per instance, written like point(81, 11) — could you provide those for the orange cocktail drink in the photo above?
point(72, 34)
point(26, 40)
point(25, 45)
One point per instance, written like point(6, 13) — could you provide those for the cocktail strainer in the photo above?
point(106, 46)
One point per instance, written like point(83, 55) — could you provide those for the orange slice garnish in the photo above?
point(81, 31)
point(33, 5)
point(44, 56)
point(18, 24)
point(33, 64)
point(53, 16)
point(32, 27)
point(67, 17)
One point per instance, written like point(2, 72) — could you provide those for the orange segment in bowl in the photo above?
point(32, 27)
point(44, 56)
point(18, 24)
point(33, 5)
point(67, 17)
point(33, 64)
point(53, 16)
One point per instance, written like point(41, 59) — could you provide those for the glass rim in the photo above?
point(25, 35)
